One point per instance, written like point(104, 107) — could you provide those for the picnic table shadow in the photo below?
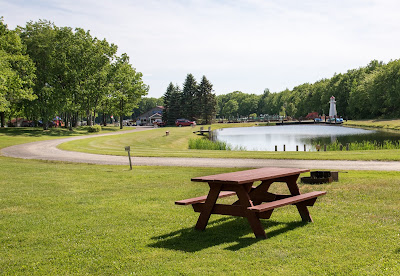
point(221, 231)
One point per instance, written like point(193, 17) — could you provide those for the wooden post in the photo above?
point(347, 146)
point(297, 147)
point(276, 148)
point(128, 149)
point(305, 147)
point(324, 147)
point(284, 147)
point(341, 147)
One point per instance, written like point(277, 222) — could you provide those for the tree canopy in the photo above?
point(77, 75)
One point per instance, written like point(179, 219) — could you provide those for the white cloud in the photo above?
point(243, 45)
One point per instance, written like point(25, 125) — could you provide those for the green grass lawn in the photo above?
point(19, 135)
point(393, 124)
point(156, 144)
point(62, 219)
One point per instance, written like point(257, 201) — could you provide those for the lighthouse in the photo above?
point(332, 108)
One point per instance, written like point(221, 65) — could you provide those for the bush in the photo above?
point(205, 144)
point(95, 128)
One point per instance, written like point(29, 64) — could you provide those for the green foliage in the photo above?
point(172, 104)
point(189, 104)
point(364, 145)
point(206, 144)
point(94, 128)
point(195, 102)
point(126, 87)
point(17, 73)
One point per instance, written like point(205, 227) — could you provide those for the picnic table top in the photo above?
point(249, 176)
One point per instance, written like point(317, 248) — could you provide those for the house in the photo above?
point(148, 118)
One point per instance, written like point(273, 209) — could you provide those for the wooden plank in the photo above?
point(243, 177)
point(202, 198)
point(222, 209)
point(286, 201)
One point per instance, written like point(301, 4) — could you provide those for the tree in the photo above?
point(207, 101)
point(127, 87)
point(230, 109)
point(40, 41)
point(189, 104)
point(17, 72)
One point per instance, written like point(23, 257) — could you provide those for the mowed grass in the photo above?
point(156, 143)
point(19, 135)
point(393, 124)
point(63, 219)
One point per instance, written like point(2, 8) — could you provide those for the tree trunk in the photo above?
point(2, 119)
point(121, 118)
point(104, 119)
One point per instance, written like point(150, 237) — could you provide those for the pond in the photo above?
point(267, 137)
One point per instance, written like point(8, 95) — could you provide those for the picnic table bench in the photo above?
point(254, 202)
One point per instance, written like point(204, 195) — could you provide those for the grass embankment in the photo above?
point(155, 143)
point(62, 219)
point(393, 124)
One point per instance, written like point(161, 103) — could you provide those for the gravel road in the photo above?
point(47, 150)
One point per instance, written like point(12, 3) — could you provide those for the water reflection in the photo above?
point(266, 138)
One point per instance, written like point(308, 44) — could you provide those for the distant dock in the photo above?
point(202, 131)
point(307, 123)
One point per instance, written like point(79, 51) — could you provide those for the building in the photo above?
point(148, 118)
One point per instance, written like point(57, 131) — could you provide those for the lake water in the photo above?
point(265, 138)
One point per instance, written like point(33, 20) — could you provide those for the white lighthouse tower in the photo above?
point(332, 108)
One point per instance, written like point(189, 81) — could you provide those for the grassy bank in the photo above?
point(393, 124)
point(156, 144)
point(63, 219)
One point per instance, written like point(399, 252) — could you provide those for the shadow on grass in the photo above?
point(37, 132)
point(52, 132)
point(224, 230)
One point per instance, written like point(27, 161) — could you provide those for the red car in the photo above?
point(184, 122)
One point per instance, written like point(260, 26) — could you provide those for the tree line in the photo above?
point(368, 92)
point(194, 102)
point(47, 70)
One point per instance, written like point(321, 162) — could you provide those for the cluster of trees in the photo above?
point(194, 102)
point(47, 70)
point(368, 92)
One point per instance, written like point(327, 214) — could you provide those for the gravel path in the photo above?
point(47, 150)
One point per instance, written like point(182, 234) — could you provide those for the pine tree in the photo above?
point(172, 100)
point(207, 101)
point(188, 99)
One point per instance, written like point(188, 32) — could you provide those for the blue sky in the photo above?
point(245, 45)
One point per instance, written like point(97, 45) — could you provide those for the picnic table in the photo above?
point(254, 202)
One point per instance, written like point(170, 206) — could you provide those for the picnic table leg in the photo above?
point(254, 221)
point(208, 206)
point(291, 182)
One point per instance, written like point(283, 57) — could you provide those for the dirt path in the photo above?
point(47, 150)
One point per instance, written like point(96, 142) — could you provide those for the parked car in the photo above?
point(184, 122)
point(159, 123)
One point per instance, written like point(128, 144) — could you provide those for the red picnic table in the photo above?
point(254, 203)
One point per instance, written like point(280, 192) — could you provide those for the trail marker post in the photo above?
point(128, 149)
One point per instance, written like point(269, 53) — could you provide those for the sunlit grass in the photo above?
point(156, 143)
point(62, 219)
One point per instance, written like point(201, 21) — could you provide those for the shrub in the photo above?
point(95, 128)
point(206, 144)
